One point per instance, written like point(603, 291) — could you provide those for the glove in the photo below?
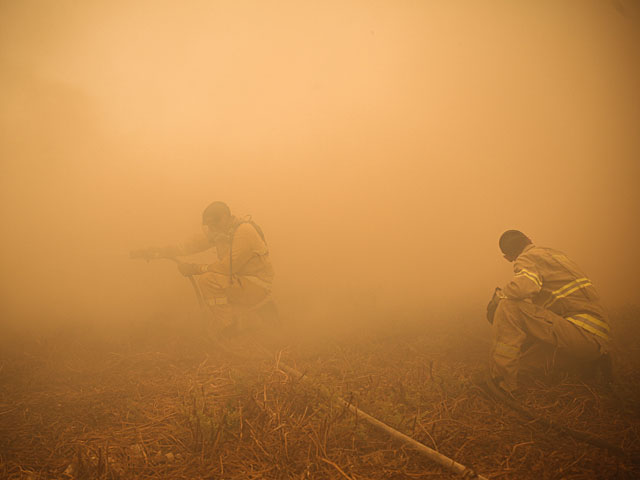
point(493, 304)
point(190, 269)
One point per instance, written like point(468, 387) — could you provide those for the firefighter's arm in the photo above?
point(197, 243)
point(526, 281)
point(493, 304)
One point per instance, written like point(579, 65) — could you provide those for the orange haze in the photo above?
point(383, 146)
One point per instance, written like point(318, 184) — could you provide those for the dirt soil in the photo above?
point(162, 402)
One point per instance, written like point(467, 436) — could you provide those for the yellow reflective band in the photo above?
point(217, 301)
point(530, 276)
point(595, 320)
point(591, 324)
point(506, 350)
point(577, 287)
point(569, 285)
point(568, 289)
point(257, 281)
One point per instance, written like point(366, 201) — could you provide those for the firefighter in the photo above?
point(236, 287)
point(549, 310)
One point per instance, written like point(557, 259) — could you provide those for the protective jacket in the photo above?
point(241, 254)
point(552, 281)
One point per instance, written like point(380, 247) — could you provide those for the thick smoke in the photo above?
point(382, 146)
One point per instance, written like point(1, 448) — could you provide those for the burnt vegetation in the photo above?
point(164, 403)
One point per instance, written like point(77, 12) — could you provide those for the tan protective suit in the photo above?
point(240, 282)
point(549, 308)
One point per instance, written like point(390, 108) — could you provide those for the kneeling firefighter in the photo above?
point(237, 287)
point(548, 315)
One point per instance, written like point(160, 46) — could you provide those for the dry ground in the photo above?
point(163, 403)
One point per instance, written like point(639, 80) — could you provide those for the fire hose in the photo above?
point(488, 388)
point(431, 454)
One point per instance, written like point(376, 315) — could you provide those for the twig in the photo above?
point(337, 467)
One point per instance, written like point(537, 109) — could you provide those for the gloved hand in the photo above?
point(493, 304)
point(190, 269)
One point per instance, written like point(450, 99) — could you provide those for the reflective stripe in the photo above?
point(569, 288)
point(591, 324)
point(506, 350)
point(530, 275)
point(558, 292)
point(577, 287)
point(217, 301)
point(256, 281)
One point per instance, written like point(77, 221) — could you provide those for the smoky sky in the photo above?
point(383, 146)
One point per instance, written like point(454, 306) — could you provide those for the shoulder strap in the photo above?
point(233, 234)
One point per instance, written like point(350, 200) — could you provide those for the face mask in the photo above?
point(214, 235)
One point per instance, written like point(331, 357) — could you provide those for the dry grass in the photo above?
point(167, 405)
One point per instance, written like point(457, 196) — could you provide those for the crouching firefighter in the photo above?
point(548, 316)
point(236, 287)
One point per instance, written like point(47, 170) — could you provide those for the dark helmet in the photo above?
point(512, 242)
point(215, 213)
